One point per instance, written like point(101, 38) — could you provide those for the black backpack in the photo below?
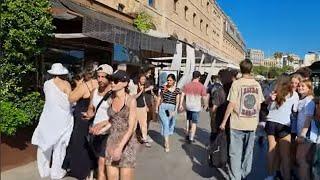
point(218, 151)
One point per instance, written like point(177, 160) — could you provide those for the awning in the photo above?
point(107, 28)
point(158, 34)
point(69, 35)
point(218, 58)
point(59, 11)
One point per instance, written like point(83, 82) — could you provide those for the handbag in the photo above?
point(90, 137)
point(218, 151)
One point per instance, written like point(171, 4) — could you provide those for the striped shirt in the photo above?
point(168, 96)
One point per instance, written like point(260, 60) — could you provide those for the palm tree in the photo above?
point(277, 55)
point(290, 59)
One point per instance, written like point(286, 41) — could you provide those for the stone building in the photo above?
point(102, 31)
point(201, 23)
point(255, 55)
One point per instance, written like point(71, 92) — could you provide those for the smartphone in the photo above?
point(167, 113)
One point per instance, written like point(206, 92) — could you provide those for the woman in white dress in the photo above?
point(55, 125)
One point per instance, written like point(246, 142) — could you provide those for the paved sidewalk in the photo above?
point(184, 161)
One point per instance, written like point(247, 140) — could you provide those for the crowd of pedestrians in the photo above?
point(96, 124)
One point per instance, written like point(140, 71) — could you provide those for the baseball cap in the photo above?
point(120, 75)
point(105, 68)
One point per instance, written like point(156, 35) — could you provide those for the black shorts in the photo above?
point(276, 129)
point(100, 143)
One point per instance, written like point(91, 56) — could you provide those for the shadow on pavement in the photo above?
point(197, 155)
point(156, 136)
point(202, 135)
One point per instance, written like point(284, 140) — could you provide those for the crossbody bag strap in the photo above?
point(105, 97)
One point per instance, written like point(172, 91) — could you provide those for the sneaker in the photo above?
point(147, 144)
point(149, 139)
point(191, 141)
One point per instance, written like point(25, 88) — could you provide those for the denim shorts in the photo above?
point(193, 116)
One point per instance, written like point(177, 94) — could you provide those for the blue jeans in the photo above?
point(240, 153)
point(167, 123)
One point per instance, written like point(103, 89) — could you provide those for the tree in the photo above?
point(290, 59)
point(143, 22)
point(25, 25)
point(278, 55)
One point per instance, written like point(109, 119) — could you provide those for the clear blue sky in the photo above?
point(277, 25)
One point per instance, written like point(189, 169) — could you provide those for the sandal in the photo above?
point(146, 143)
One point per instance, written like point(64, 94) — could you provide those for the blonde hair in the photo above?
point(308, 83)
point(296, 76)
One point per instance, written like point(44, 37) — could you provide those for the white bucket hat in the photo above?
point(105, 68)
point(58, 69)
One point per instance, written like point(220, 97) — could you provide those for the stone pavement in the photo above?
point(184, 161)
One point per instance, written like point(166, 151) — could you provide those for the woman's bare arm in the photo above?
point(132, 122)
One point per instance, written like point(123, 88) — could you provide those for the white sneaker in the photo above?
point(149, 139)
point(269, 178)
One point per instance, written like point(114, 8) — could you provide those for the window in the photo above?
point(207, 27)
point(175, 2)
point(208, 6)
point(194, 18)
point(185, 12)
point(121, 7)
point(151, 3)
point(201, 21)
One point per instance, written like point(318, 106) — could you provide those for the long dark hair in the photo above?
point(172, 76)
point(283, 89)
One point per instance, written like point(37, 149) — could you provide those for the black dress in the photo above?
point(79, 160)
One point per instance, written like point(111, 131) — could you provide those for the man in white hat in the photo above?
point(98, 109)
point(55, 125)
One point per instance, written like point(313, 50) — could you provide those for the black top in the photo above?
point(141, 99)
point(168, 96)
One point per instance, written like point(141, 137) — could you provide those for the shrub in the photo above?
point(25, 25)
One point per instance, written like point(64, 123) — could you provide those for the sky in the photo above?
point(290, 26)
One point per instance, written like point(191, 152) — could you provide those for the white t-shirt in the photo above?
point(281, 114)
point(101, 114)
point(306, 108)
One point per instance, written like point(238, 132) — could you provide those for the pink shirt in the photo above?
point(194, 91)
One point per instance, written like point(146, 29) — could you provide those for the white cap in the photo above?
point(105, 68)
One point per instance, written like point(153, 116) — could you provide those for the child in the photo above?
point(306, 108)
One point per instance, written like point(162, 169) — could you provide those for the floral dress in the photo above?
point(119, 126)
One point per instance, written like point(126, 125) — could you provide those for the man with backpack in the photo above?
point(218, 99)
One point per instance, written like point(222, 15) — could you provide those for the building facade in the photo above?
point(196, 22)
point(310, 58)
point(270, 62)
point(255, 55)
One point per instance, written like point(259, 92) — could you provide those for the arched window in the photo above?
point(201, 21)
point(207, 28)
point(194, 18)
point(175, 3)
point(185, 12)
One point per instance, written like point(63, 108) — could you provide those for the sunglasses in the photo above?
point(117, 80)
